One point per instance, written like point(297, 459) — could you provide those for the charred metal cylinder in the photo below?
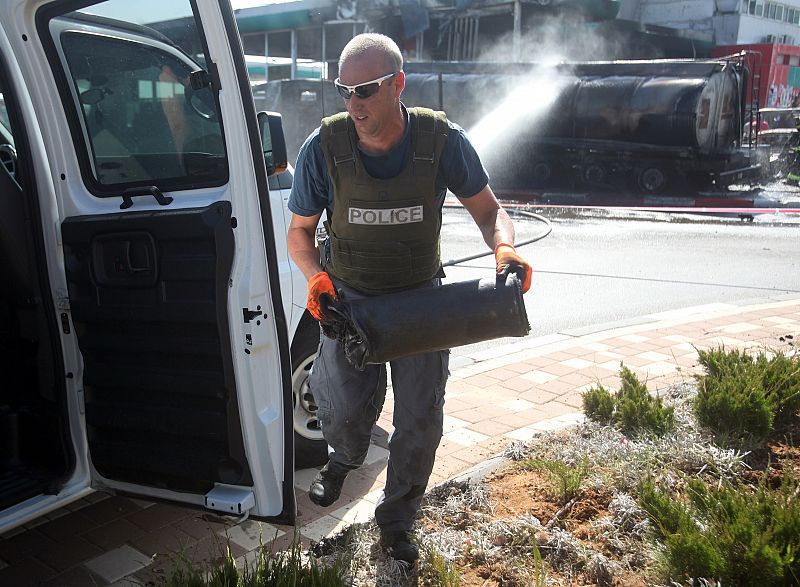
point(381, 328)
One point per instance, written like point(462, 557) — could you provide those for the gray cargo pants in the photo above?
point(350, 402)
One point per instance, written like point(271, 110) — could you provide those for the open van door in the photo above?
point(147, 164)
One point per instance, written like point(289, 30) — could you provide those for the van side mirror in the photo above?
point(273, 142)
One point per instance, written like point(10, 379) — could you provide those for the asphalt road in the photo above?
point(602, 266)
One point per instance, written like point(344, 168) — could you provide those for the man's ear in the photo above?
point(399, 83)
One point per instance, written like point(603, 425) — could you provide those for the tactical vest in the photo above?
point(384, 233)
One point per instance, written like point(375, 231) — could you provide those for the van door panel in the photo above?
point(149, 296)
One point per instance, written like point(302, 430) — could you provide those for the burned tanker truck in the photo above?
point(637, 127)
point(652, 127)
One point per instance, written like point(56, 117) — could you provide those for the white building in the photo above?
point(723, 22)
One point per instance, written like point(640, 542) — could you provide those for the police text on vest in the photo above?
point(408, 215)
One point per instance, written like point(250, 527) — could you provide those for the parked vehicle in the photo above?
point(152, 326)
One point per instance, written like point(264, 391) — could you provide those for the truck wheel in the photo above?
point(652, 180)
point(310, 448)
point(594, 174)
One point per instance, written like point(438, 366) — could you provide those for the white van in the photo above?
point(148, 305)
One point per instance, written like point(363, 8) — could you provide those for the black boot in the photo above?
point(326, 486)
point(399, 545)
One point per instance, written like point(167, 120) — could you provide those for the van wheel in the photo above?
point(310, 448)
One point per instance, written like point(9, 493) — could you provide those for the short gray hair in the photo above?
point(366, 42)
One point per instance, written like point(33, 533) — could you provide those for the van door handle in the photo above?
point(125, 259)
point(131, 268)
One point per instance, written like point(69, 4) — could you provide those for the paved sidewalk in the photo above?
point(494, 397)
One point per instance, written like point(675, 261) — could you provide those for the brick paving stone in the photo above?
point(200, 525)
point(113, 534)
point(23, 545)
point(522, 367)
point(78, 505)
point(517, 384)
point(361, 482)
point(68, 554)
point(462, 386)
point(167, 540)
point(110, 509)
point(486, 412)
point(252, 535)
point(496, 427)
point(538, 377)
point(574, 400)
point(456, 404)
point(96, 496)
point(560, 356)
point(306, 509)
point(24, 573)
point(478, 453)
point(557, 387)
point(211, 550)
point(447, 447)
point(481, 381)
point(464, 436)
point(538, 395)
point(118, 563)
point(554, 408)
point(158, 515)
point(631, 360)
point(520, 419)
point(577, 379)
point(449, 466)
point(68, 526)
point(539, 362)
point(557, 369)
point(75, 577)
point(577, 362)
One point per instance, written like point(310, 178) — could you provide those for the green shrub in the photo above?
point(734, 533)
point(598, 405)
point(741, 398)
point(567, 479)
point(632, 409)
point(438, 571)
point(668, 515)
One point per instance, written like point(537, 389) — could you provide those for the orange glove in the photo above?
point(507, 258)
point(320, 283)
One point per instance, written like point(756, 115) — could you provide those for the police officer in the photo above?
point(380, 171)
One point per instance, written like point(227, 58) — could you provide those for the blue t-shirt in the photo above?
point(460, 170)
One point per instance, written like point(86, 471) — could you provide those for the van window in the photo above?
point(130, 87)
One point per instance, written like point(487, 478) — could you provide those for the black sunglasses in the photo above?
point(364, 90)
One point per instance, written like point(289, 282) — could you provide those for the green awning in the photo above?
point(272, 22)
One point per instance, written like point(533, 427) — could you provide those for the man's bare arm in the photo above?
point(301, 241)
point(492, 220)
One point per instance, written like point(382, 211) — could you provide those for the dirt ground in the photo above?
point(516, 492)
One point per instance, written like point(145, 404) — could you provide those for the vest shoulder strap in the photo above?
point(430, 134)
point(338, 145)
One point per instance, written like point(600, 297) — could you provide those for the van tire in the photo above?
point(310, 449)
